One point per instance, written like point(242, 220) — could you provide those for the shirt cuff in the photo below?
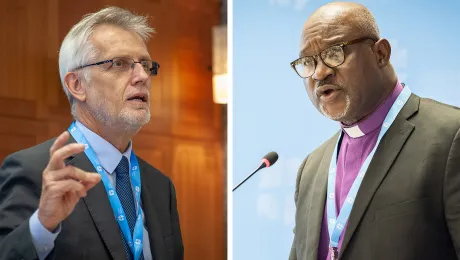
point(42, 239)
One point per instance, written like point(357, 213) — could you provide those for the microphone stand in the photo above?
point(262, 165)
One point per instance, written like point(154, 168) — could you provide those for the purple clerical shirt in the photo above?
point(357, 143)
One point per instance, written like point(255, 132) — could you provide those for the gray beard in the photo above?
point(339, 116)
point(123, 121)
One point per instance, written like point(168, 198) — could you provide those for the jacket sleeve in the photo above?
point(175, 223)
point(20, 187)
point(293, 254)
point(451, 194)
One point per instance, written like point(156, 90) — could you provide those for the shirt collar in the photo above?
point(375, 120)
point(108, 155)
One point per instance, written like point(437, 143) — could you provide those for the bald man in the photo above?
point(387, 185)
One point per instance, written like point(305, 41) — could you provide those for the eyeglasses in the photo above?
point(124, 64)
point(332, 57)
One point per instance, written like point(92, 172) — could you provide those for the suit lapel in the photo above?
point(317, 202)
point(387, 152)
point(151, 219)
point(100, 209)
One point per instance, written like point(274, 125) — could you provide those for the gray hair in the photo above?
point(76, 49)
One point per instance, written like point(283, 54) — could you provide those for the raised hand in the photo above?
point(63, 186)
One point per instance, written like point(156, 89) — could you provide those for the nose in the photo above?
point(139, 74)
point(322, 71)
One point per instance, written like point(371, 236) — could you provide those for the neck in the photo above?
point(119, 137)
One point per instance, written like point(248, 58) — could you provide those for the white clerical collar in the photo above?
point(375, 120)
point(354, 131)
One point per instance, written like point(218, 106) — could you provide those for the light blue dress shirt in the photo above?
point(109, 157)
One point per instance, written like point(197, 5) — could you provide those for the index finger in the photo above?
point(59, 142)
point(57, 158)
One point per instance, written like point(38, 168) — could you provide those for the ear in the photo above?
point(382, 50)
point(75, 86)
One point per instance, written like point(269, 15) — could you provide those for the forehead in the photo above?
point(321, 32)
point(113, 41)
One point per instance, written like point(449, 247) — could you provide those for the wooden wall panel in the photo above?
point(199, 175)
point(184, 136)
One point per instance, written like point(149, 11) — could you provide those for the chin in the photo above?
point(336, 112)
point(135, 120)
point(139, 121)
point(336, 117)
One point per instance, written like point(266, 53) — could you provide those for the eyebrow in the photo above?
point(141, 58)
point(331, 40)
point(303, 52)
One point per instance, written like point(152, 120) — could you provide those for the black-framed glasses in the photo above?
point(332, 57)
point(124, 64)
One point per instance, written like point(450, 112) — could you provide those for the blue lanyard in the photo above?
point(112, 194)
point(336, 226)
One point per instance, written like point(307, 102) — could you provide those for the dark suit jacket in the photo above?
point(91, 231)
point(408, 205)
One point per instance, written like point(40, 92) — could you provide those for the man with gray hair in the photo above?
point(387, 184)
point(85, 194)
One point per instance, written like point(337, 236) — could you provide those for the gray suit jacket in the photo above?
point(408, 205)
point(91, 231)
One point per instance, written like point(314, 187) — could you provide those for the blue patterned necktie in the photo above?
point(125, 194)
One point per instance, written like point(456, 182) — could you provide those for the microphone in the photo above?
point(268, 160)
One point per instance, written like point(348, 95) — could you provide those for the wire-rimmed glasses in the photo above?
point(125, 63)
